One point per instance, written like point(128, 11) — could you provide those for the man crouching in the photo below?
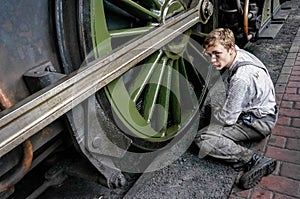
point(249, 112)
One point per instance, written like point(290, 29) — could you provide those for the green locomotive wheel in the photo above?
point(158, 98)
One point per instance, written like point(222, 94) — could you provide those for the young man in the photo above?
point(249, 111)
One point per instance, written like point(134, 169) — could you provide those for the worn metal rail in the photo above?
point(23, 120)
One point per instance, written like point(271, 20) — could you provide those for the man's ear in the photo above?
point(232, 49)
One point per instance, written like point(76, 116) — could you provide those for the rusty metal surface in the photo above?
point(4, 101)
point(26, 39)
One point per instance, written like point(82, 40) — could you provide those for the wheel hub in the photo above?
point(206, 10)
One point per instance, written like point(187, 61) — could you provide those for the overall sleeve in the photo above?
point(232, 108)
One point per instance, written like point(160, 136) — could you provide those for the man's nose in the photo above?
point(213, 58)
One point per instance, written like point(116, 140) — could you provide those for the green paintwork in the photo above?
point(154, 100)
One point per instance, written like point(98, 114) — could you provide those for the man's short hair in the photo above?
point(222, 36)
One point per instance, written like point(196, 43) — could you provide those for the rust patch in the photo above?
point(4, 101)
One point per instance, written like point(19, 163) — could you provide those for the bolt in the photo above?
point(96, 142)
point(209, 9)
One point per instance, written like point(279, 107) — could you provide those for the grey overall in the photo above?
point(249, 112)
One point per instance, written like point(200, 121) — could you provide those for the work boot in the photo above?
point(256, 168)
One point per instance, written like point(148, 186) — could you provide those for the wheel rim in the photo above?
point(157, 99)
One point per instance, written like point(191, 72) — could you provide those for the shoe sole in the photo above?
point(251, 178)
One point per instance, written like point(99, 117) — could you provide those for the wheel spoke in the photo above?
point(186, 91)
point(164, 100)
point(158, 3)
point(129, 32)
point(191, 60)
point(201, 67)
point(99, 28)
point(135, 9)
point(153, 90)
point(175, 98)
point(142, 78)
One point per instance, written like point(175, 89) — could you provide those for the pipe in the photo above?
point(25, 165)
point(245, 17)
point(4, 101)
point(21, 169)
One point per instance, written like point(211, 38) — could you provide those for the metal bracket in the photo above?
point(41, 76)
point(275, 19)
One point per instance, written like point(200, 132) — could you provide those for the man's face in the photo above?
point(219, 56)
